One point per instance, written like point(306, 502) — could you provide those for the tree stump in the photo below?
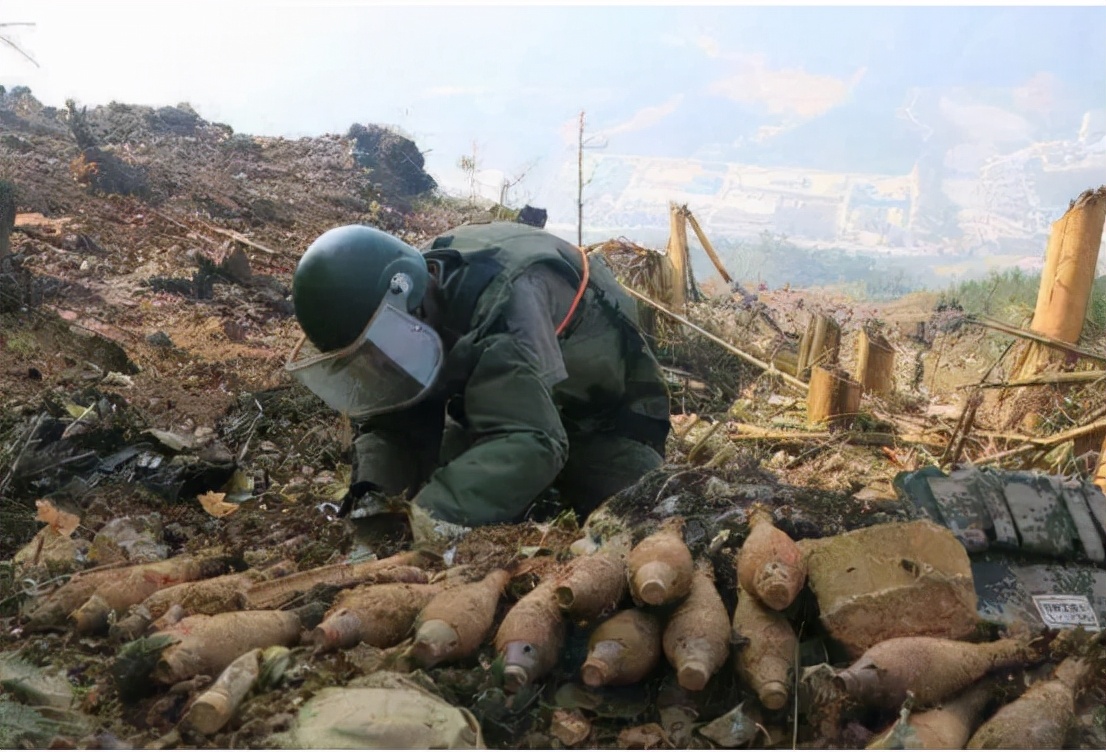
point(875, 363)
point(820, 345)
point(786, 359)
point(1066, 281)
point(676, 256)
point(1062, 300)
point(833, 397)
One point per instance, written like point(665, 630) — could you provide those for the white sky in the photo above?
point(510, 78)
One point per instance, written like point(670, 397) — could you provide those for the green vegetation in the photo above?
point(775, 261)
point(1011, 295)
point(22, 343)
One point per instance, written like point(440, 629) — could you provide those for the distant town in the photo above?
point(959, 202)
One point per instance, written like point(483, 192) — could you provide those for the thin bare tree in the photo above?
point(470, 165)
point(591, 142)
point(510, 182)
point(7, 40)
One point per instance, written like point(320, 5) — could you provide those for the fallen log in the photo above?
point(1047, 441)
point(1030, 443)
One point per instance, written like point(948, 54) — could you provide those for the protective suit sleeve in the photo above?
point(397, 451)
point(519, 444)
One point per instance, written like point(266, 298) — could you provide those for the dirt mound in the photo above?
point(395, 162)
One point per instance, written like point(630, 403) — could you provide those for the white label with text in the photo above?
point(1066, 611)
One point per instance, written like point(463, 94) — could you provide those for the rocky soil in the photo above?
point(145, 317)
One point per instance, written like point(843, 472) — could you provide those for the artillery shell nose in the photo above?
point(693, 676)
point(773, 695)
point(595, 672)
point(653, 591)
point(434, 641)
point(515, 678)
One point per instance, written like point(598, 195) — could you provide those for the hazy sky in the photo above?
point(513, 78)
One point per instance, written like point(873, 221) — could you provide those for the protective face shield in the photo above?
point(392, 364)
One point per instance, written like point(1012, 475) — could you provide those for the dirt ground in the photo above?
point(142, 342)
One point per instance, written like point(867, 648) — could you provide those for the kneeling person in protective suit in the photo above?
point(495, 363)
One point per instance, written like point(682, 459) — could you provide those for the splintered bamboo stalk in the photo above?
point(786, 359)
point(1014, 331)
point(707, 245)
point(875, 363)
point(1076, 377)
point(676, 254)
point(820, 345)
point(1070, 262)
point(1068, 276)
point(833, 397)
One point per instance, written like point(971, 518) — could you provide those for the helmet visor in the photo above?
point(391, 365)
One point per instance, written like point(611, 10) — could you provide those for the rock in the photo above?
point(159, 339)
point(892, 580)
point(137, 540)
point(49, 549)
point(236, 266)
point(533, 216)
point(174, 441)
point(736, 728)
point(114, 378)
point(648, 736)
point(45, 687)
point(393, 713)
point(678, 723)
point(395, 160)
point(570, 727)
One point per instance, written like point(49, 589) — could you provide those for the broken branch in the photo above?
point(771, 369)
point(706, 245)
point(1026, 334)
point(1078, 377)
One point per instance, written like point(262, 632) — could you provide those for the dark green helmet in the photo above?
point(342, 278)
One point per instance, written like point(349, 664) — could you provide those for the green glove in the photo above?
point(432, 534)
point(365, 499)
